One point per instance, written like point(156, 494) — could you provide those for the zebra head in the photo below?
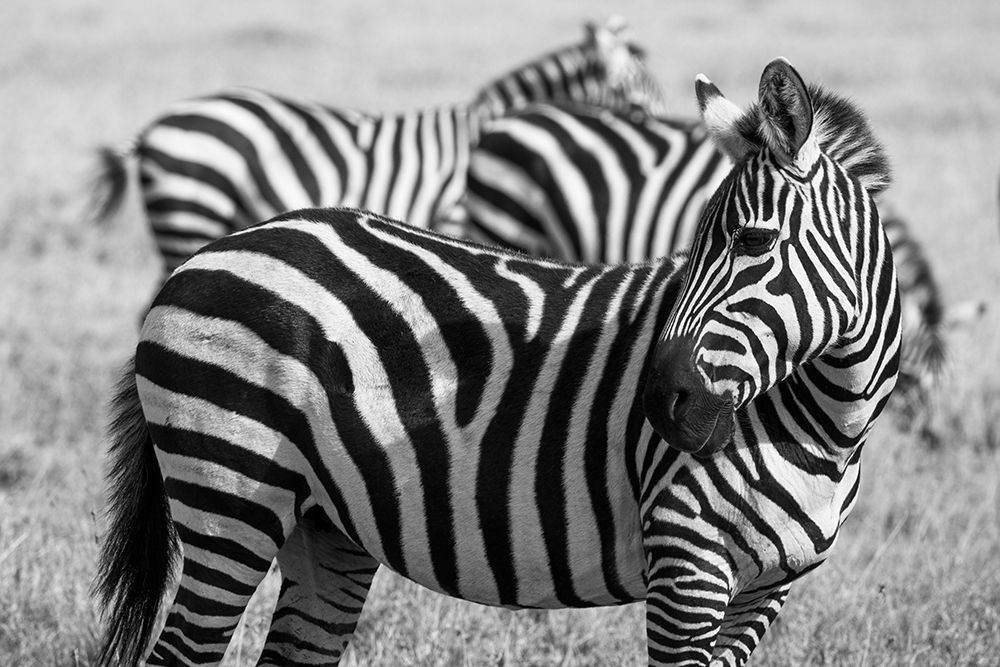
point(623, 80)
point(789, 273)
point(607, 69)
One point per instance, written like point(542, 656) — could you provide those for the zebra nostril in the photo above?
point(675, 407)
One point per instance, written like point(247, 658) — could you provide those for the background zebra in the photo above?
point(926, 322)
point(339, 390)
point(578, 183)
point(214, 164)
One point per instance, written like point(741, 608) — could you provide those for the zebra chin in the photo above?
point(686, 413)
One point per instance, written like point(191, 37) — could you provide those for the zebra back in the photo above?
point(583, 183)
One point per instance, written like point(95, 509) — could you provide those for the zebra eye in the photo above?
point(754, 241)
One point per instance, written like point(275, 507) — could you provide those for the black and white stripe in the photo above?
point(222, 162)
point(338, 390)
point(580, 183)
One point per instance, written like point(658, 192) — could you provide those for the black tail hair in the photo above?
point(109, 184)
point(140, 548)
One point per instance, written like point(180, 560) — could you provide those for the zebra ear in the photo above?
point(614, 29)
point(614, 35)
point(786, 114)
point(617, 25)
point(721, 118)
point(612, 42)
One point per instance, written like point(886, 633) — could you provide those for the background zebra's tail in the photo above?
point(140, 546)
point(110, 182)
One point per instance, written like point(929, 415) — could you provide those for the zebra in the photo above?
point(574, 182)
point(339, 390)
point(926, 322)
point(222, 162)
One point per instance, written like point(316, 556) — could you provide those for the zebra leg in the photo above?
point(325, 579)
point(685, 605)
point(225, 558)
point(747, 619)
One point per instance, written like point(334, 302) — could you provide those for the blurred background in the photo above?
point(915, 579)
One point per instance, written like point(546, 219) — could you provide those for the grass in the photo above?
point(915, 579)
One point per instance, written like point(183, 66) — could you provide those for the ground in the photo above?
point(915, 578)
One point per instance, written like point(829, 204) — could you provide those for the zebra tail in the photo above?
point(110, 183)
point(140, 548)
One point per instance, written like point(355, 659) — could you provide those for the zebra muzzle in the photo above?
point(681, 408)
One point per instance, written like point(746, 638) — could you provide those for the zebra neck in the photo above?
point(570, 73)
point(821, 415)
point(853, 382)
point(826, 408)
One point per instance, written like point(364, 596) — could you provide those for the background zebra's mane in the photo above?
point(843, 132)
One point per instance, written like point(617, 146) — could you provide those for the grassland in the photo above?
point(915, 579)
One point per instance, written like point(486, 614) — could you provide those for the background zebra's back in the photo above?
point(580, 183)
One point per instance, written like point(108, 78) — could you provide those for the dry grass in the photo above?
point(916, 577)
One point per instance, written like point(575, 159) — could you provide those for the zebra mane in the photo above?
point(843, 132)
point(523, 79)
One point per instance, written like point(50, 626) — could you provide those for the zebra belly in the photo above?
point(477, 578)
point(429, 512)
